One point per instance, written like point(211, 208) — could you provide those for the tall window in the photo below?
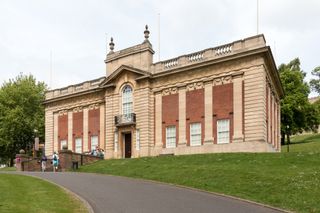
point(171, 137)
point(78, 145)
point(94, 142)
point(62, 143)
point(195, 134)
point(223, 127)
point(127, 100)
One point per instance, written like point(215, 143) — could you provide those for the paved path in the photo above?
point(110, 194)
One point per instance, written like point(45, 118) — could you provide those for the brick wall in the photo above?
point(93, 126)
point(222, 106)
point(170, 115)
point(194, 111)
point(62, 129)
point(77, 128)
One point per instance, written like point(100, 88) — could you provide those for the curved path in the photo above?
point(118, 194)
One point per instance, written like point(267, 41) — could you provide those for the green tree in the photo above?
point(315, 83)
point(21, 112)
point(297, 113)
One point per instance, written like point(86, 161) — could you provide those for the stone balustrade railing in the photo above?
point(235, 47)
point(211, 53)
point(88, 85)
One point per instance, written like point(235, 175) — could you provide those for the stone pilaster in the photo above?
point(158, 115)
point(102, 122)
point(182, 117)
point(55, 132)
point(85, 129)
point(269, 116)
point(208, 138)
point(237, 109)
point(273, 120)
point(48, 132)
point(70, 130)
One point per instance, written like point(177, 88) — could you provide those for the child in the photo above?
point(55, 160)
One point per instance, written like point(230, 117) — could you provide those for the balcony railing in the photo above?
point(125, 119)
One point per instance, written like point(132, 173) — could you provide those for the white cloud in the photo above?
point(75, 32)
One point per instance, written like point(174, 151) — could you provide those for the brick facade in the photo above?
point(222, 106)
point(170, 115)
point(237, 81)
point(195, 111)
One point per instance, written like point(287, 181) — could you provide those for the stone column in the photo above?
point(237, 109)
point(182, 117)
point(55, 132)
point(158, 115)
point(85, 147)
point(70, 130)
point(102, 129)
point(208, 119)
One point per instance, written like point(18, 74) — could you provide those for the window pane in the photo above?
point(195, 134)
point(62, 143)
point(127, 100)
point(171, 136)
point(223, 131)
point(94, 142)
point(78, 145)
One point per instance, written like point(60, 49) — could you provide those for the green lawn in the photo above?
point(286, 180)
point(8, 169)
point(20, 193)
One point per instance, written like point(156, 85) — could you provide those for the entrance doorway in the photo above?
point(127, 145)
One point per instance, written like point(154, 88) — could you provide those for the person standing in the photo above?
point(43, 163)
point(55, 161)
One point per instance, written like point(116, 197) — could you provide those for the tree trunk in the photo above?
point(11, 162)
point(283, 138)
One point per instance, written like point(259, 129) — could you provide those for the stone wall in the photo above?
point(66, 159)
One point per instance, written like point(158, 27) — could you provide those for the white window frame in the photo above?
point(195, 134)
point(223, 131)
point(96, 140)
point(77, 147)
point(63, 142)
point(171, 136)
point(127, 100)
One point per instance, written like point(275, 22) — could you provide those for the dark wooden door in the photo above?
point(127, 147)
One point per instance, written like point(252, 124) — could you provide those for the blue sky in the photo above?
point(76, 31)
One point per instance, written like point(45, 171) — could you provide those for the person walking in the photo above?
point(55, 161)
point(43, 163)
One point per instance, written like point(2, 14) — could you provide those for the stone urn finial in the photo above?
point(111, 45)
point(146, 33)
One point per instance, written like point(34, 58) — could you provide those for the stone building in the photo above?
point(221, 99)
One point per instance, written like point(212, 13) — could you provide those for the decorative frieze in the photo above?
point(169, 91)
point(194, 86)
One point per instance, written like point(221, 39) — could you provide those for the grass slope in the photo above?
point(286, 180)
point(20, 193)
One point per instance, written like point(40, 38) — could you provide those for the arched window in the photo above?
point(127, 100)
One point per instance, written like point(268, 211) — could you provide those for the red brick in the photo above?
point(222, 106)
point(194, 111)
point(170, 115)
